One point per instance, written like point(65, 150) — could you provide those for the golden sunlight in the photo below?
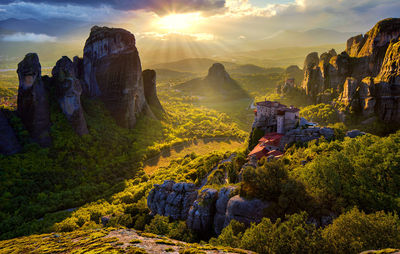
point(179, 22)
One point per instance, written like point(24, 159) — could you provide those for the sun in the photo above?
point(179, 22)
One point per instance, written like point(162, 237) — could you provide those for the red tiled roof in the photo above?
point(259, 151)
point(275, 153)
point(271, 139)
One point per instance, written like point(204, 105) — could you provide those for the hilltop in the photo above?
point(216, 85)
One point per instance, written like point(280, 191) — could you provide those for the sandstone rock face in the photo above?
point(201, 214)
point(373, 45)
point(8, 141)
point(69, 94)
point(325, 73)
point(172, 199)
point(366, 77)
point(112, 71)
point(33, 104)
point(150, 92)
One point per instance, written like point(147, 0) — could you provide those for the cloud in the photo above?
point(40, 11)
point(30, 37)
point(160, 7)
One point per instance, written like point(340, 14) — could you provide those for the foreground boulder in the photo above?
point(8, 141)
point(69, 94)
point(112, 71)
point(33, 103)
point(150, 92)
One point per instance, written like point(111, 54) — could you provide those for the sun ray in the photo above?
point(179, 22)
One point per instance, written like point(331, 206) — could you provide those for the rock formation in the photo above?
point(201, 214)
point(208, 212)
point(150, 92)
point(245, 211)
point(216, 85)
point(366, 77)
point(8, 141)
point(172, 199)
point(220, 208)
point(33, 104)
point(112, 71)
point(68, 91)
point(78, 69)
point(324, 74)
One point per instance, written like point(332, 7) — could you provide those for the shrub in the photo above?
point(271, 182)
point(231, 235)
point(322, 114)
point(159, 225)
point(294, 235)
point(67, 225)
point(356, 231)
point(180, 231)
point(255, 135)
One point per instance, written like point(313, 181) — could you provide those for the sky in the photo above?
point(228, 22)
point(211, 19)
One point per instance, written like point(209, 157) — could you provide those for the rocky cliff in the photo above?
point(33, 103)
point(150, 92)
point(365, 77)
point(112, 71)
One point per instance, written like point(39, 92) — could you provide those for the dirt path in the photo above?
point(204, 181)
